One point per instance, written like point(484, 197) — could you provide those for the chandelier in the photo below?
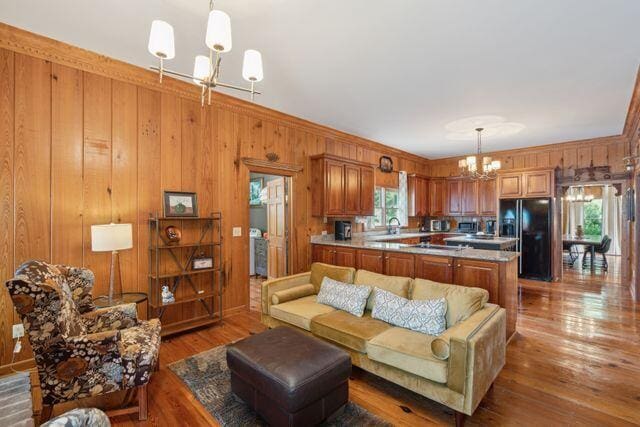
point(579, 196)
point(206, 69)
point(471, 168)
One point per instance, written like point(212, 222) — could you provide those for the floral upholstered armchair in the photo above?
point(81, 351)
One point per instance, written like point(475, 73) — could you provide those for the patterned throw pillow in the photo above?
point(343, 296)
point(426, 316)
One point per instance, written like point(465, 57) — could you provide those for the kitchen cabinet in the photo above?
point(341, 187)
point(344, 257)
point(418, 196)
point(526, 183)
point(487, 197)
point(437, 196)
point(469, 198)
point(323, 253)
point(479, 274)
point(437, 239)
point(370, 260)
point(436, 268)
point(367, 188)
point(453, 197)
point(538, 183)
point(399, 264)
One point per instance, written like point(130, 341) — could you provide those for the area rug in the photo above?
point(207, 376)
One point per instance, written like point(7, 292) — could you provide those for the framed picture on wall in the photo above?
point(255, 187)
point(180, 204)
point(386, 164)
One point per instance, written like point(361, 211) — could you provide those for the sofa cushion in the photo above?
point(290, 294)
point(395, 284)
point(409, 351)
point(348, 330)
point(462, 301)
point(344, 296)
point(426, 316)
point(299, 312)
point(319, 271)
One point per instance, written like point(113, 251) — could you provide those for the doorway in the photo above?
point(592, 236)
point(269, 219)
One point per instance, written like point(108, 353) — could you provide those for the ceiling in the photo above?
point(393, 71)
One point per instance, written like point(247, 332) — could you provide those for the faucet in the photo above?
point(391, 228)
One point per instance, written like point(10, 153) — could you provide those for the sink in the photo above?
point(438, 247)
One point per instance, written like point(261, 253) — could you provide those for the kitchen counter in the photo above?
point(498, 243)
point(381, 242)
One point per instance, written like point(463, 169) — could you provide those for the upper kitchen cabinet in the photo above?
point(453, 198)
point(469, 197)
point(341, 187)
point(487, 197)
point(526, 183)
point(418, 195)
point(437, 196)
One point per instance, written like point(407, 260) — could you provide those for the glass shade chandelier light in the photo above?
point(579, 196)
point(206, 69)
point(478, 167)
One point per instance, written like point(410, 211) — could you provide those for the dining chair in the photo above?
point(601, 249)
point(572, 251)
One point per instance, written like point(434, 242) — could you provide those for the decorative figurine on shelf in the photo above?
point(579, 232)
point(173, 234)
point(167, 296)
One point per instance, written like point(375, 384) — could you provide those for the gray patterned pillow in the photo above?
point(344, 296)
point(426, 316)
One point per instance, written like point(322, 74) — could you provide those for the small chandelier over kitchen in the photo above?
point(471, 168)
point(206, 69)
point(577, 196)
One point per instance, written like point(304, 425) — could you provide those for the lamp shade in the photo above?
point(111, 237)
point(201, 69)
point(218, 35)
point(252, 66)
point(161, 44)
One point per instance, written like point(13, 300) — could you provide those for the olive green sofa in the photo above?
point(456, 368)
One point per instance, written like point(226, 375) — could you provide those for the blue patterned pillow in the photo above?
point(426, 316)
point(344, 296)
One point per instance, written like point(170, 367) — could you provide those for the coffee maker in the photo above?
point(343, 230)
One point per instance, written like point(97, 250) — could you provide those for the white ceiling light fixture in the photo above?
point(206, 69)
point(470, 166)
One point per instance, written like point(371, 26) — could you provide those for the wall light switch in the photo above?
point(18, 330)
point(324, 232)
point(237, 231)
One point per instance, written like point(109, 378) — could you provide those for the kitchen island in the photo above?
point(483, 242)
point(493, 270)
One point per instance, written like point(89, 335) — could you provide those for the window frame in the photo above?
point(382, 207)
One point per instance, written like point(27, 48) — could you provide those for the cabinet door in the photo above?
point(479, 274)
point(469, 197)
point(322, 253)
point(344, 257)
point(437, 193)
point(370, 260)
point(412, 196)
point(436, 268)
point(417, 189)
point(351, 190)
point(510, 185)
point(454, 197)
point(423, 184)
point(399, 264)
point(537, 184)
point(334, 191)
point(487, 197)
point(437, 239)
point(366, 191)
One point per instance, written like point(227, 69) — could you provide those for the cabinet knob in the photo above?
point(458, 265)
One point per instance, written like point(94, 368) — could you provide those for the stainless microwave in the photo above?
point(440, 225)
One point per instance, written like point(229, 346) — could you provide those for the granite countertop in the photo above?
point(381, 242)
point(496, 240)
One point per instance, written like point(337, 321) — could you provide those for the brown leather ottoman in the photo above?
point(289, 378)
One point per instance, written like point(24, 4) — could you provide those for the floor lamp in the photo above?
point(112, 238)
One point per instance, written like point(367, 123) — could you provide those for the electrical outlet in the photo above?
point(324, 232)
point(237, 231)
point(18, 330)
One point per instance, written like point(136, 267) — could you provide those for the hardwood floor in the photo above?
point(574, 361)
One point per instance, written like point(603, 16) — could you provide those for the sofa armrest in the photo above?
point(121, 316)
point(477, 349)
point(269, 287)
point(291, 294)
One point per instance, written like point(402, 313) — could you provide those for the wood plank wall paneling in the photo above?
point(90, 140)
point(567, 156)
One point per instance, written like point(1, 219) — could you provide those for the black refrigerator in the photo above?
point(529, 220)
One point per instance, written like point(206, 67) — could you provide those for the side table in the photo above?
point(125, 298)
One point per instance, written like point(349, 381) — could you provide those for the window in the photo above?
point(593, 218)
point(386, 206)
